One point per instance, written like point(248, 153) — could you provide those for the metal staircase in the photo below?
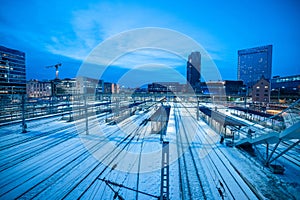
point(272, 135)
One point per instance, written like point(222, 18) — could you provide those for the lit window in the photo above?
point(257, 87)
point(266, 86)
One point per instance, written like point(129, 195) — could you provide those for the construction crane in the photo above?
point(56, 69)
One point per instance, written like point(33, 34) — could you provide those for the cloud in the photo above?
point(100, 21)
point(148, 56)
point(76, 32)
point(143, 46)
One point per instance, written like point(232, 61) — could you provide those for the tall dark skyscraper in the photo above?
point(12, 71)
point(193, 69)
point(254, 63)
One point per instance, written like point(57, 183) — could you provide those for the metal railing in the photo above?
point(290, 116)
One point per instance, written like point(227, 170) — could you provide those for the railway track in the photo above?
point(43, 185)
point(109, 158)
point(191, 186)
point(98, 182)
point(34, 140)
point(228, 181)
point(125, 178)
point(20, 157)
point(291, 156)
point(15, 140)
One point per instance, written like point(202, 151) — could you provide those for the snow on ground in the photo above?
point(56, 160)
point(270, 185)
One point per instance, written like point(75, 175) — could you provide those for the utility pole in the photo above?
point(86, 115)
point(161, 122)
point(24, 126)
point(197, 109)
point(164, 185)
point(70, 109)
point(245, 100)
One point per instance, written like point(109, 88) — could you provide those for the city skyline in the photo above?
point(69, 32)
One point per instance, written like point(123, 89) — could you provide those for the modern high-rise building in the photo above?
point(254, 63)
point(12, 72)
point(193, 69)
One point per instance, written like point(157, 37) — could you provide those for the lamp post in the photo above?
point(246, 95)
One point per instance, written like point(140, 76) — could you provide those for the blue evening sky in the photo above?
point(67, 31)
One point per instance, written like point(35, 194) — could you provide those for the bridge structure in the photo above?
point(289, 134)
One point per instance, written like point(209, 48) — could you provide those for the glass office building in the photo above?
point(12, 72)
point(254, 63)
point(286, 86)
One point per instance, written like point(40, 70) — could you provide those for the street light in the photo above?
point(246, 96)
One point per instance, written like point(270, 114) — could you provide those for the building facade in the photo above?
point(261, 91)
point(254, 63)
point(38, 89)
point(286, 87)
point(12, 72)
point(86, 85)
point(115, 88)
point(111, 88)
point(226, 87)
point(166, 87)
point(65, 86)
point(193, 69)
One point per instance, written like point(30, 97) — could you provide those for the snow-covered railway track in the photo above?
point(222, 175)
point(190, 181)
point(30, 151)
point(19, 151)
point(13, 139)
point(228, 181)
point(16, 141)
point(112, 158)
point(27, 177)
point(288, 143)
point(32, 148)
point(291, 156)
point(36, 125)
point(125, 179)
